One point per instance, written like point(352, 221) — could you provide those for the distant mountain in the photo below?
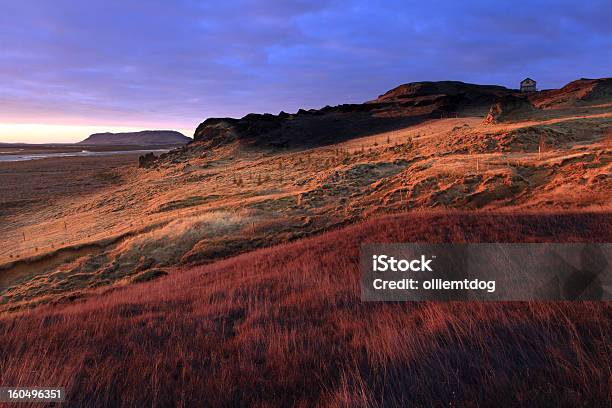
point(142, 138)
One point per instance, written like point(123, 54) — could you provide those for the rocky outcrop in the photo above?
point(143, 138)
point(508, 108)
point(216, 131)
point(403, 106)
point(445, 98)
point(147, 160)
point(224, 130)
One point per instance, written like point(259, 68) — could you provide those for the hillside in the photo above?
point(247, 183)
point(582, 92)
point(285, 326)
point(406, 105)
point(142, 138)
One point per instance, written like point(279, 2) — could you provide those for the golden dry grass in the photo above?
point(124, 222)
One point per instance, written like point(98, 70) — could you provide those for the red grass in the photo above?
point(285, 326)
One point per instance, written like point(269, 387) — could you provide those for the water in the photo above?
point(82, 153)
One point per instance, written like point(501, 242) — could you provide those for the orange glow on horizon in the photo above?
point(54, 133)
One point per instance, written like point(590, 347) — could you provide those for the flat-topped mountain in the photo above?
point(142, 138)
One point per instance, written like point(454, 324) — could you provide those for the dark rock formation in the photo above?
point(403, 106)
point(146, 161)
point(216, 131)
point(509, 107)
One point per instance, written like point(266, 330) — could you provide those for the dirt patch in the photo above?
point(187, 202)
point(11, 273)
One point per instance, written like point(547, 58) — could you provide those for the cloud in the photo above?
point(133, 63)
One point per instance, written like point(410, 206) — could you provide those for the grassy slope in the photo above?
point(285, 325)
point(89, 225)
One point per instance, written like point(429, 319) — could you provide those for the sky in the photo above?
point(68, 68)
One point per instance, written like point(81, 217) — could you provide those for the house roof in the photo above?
point(527, 80)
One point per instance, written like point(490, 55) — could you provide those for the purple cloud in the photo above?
point(178, 62)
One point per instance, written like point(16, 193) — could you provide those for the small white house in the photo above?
point(528, 85)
